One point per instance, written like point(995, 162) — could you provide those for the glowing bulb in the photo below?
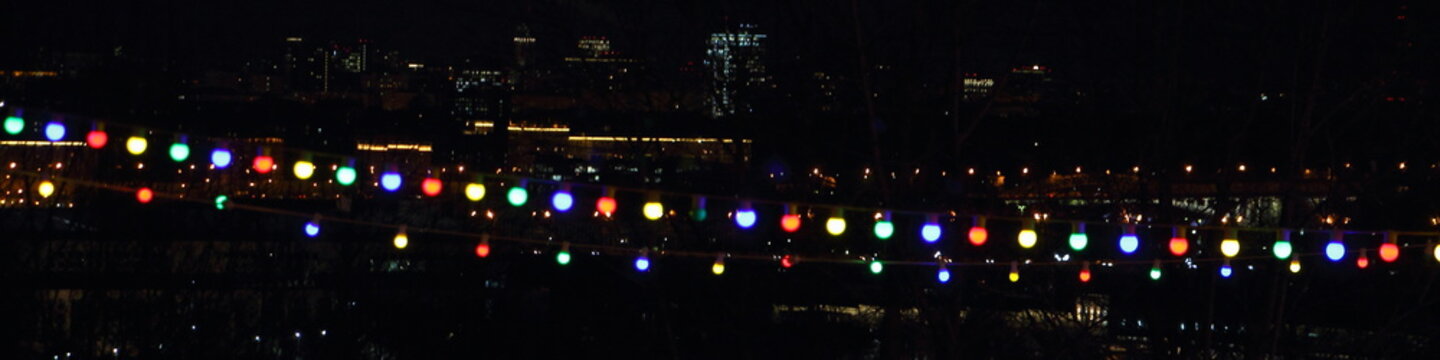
point(1179, 245)
point(13, 125)
point(562, 201)
point(606, 205)
point(1014, 272)
point(930, 232)
point(563, 257)
point(653, 210)
point(1027, 238)
point(303, 169)
point(1335, 250)
point(1283, 249)
point(943, 275)
point(96, 139)
point(1078, 239)
point(517, 196)
point(1230, 247)
point(430, 186)
point(220, 158)
point(978, 235)
point(1226, 271)
point(790, 222)
point(345, 175)
point(1437, 252)
point(1085, 274)
point(835, 226)
point(136, 145)
point(1155, 271)
point(718, 268)
point(876, 266)
point(390, 181)
point(884, 229)
point(787, 261)
point(46, 188)
point(401, 240)
point(642, 263)
point(475, 191)
point(54, 131)
point(179, 151)
point(263, 164)
point(1294, 266)
point(745, 218)
point(221, 201)
point(1363, 261)
point(1129, 243)
point(312, 229)
point(482, 250)
point(144, 195)
point(1389, 252)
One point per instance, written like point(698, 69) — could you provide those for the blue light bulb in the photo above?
point(390, 181)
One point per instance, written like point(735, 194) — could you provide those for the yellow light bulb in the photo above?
point(475, 191)
point(718, 268)
point(1437, 252)
point(1230, 247)
point(653, 211)
point(1014, 276)
point(1028, 238)
point(46, 188)
point(136, 145)
point(1295, 266)
point(304, 169)
point(401, 241)
point(835, 226)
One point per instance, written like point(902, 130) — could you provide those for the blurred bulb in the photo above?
point(653, 210)
point(136, 145)
point(745, 218)
point(835, 226)
point(475, 191)
point(46, 188)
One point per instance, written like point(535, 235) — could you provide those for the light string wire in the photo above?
point(620, 250)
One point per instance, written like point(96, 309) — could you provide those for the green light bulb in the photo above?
point(884, 229)
point(563, 258)
point(221, 201)
point(1283, 250)
point(876, 267)
point(345, 175)
point(517, 197)
point(14, 124)
point(179, 152)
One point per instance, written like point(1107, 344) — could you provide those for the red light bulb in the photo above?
point(1363, 261)
point(1389, 252)
point(1178, 246)
point(787, 261)
point(978, 235)
point(430, 186)
point(790, 222)
point(482, 250)
point(263, 164)
point(1084, 275)
point(96, 139)
point(144, 195)
point(605, 205)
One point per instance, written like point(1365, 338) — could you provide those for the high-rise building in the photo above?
point(735, 60)
point(523, 46)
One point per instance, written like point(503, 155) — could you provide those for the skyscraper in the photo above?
point(736, 69)
point(523, 44)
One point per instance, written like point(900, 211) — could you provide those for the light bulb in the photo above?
point(835, 226)
point(790, 222)
point(390, 181)
point(136, 145)
point(884, 229)
point(1179, 245)
point(263, 164)
point(745, 218)
point(430, 186)
point(220, 158)
point(1014, 272)
point(312, 229)
point(96, 139)
point(46, 188)
point(1129, 243)
point(653, 210)
point(54, 131)
point(303, 169)
point(787, 261)
point(1389, 252)
point(978, 235)
point(943, 276)
point(401, 240)
point(1283, 249)
point(930, 232)
point(876, 266)
point(482, 250)
point(606, 205)
point(1363, 261)
point(221, 201)
point(179, 151)
point(1226, 271)
point(1155, 271)
point(563, 257)
point(1078, 239)
point(562, 201)
point(1085, 272)
point(718, 268)
point(345, 175)
point(1437, 252)
point(642, 263)
point(475, 191)
point(1230, 247)
point(1335, 250)
point(144, 195)
point(13, 125)
point(1294, 266)
point(517, 196)
point(1027, 238)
